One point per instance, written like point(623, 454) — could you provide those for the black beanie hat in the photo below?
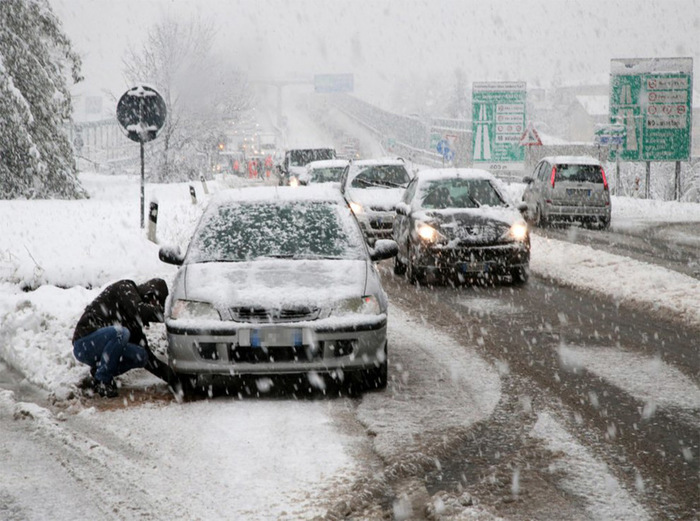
point(155, 287)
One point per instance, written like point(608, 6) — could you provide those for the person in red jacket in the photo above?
point(268, 165)
point(109, 335)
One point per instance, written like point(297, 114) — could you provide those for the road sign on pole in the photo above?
point(329, 83)
point(141, 112)
point(498, 116)
point(652, 98)
point(530, 137)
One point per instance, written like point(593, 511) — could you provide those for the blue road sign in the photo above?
point(442, 145)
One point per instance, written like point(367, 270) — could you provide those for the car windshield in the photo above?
point(459, 193)
point(326, 175)
point(298, 230)
point(381, 176)
point(580, 173)
point(304, 157)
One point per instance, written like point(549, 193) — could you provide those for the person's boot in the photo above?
point(106, 389)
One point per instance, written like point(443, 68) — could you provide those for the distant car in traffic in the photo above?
point(457, 223)
point(295, 160)
point(277, 281)
point(324, 172)
point(373, 187)
point(565, 189)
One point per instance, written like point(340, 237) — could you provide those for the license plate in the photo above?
point(578, 191)
point(472, 267)
point(274, 337)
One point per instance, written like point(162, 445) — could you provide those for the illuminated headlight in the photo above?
point(367, 305)
point(190, 309)
point(518, 231)
point(293, 181)
point(428, 233)
point(356, 207)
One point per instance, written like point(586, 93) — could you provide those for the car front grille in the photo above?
point(258, 315)
point(377, 224)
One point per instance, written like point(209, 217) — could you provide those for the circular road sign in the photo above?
point(141, 111)
point(442, 145)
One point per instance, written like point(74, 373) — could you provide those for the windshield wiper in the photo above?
point(368, 183)
point(474, 201)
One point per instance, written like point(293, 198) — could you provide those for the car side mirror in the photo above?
point(171, 255)
point(527, 180)
point(384, 249)
point(402, 209)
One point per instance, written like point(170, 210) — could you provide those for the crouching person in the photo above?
point(109, 336)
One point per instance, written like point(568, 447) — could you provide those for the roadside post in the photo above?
point(152, 221)
point(652, 98)
point(141, 112)
point(204, 184)
point(193, 194)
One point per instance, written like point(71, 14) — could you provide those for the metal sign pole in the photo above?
point(142, 183)
point(143, 169)
point(647, 191)
point(677, 184)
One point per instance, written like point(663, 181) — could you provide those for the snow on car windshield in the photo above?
point(459, 193)
point(326, 175)
point(382, 176)
point(300, 230)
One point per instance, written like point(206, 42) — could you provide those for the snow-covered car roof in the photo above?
point(379, 161)
point(328, 163)
point(572, 160)
point(449, 173)
point(318, 192)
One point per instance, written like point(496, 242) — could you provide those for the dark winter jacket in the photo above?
point(126, 304)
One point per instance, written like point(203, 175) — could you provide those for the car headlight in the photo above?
point(356, 207)
point(293, 181)
point(190, 309)
point(366, 305)
point(518, 231)
point(428, 233)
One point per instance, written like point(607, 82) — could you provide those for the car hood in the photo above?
point(274, 283)
point(297, 170)
point(485, 224)
point(379, 199)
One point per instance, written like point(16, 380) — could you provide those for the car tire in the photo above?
point(399, 267)
point(540, 221)
point(376, 379)
point(604, 224)
point(415, 275)
point(520, 275)
point(181, 385)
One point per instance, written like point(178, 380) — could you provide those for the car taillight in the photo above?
point(605, 179)
point(554, 173)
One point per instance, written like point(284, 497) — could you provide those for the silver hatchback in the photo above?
point(568, 189)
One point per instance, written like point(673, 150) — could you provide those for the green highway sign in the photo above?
point(652, 99)
point(498, 123)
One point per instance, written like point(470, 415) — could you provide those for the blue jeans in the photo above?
point(108, 352)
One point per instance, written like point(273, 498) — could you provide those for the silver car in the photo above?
point(277, 280)
point(568, 189)
point(374, 187)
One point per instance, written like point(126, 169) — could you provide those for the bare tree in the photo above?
point(201, 92)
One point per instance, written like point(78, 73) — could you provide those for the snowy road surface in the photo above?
point(575, 396)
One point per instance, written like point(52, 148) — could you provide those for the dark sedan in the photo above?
point(457, 223)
